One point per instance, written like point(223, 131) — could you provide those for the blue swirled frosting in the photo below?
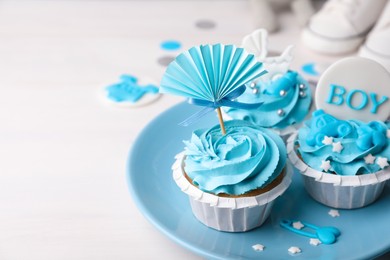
point(351, 147)
point(286, 101)
point(247, 157)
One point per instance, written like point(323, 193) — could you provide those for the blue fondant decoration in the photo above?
point(376, 103)
point(364, 99)
point(358, 140)
point(327, 235)
point(170, 45)
point(322, 125)
point(336, 97)
point(336, 92)
point(309, 68)
point(129, 90)
point(370, 135)
point(285, 83)
point(209, 75)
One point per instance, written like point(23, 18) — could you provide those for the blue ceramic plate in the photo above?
point(365, 232)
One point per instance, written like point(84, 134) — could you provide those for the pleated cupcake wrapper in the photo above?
point(228, 219)
point(229, 214)
point(338, 191)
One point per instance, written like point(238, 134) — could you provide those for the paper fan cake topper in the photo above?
point(211, 76)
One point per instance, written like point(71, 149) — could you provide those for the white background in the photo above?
point(63, 150)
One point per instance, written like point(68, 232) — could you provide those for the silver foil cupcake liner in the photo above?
point(226, 213)
point(343, 192)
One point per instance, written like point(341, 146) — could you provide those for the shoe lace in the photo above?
point(347, 7)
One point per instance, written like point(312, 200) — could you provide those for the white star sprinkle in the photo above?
point(327, 140)
point(337, 147)
point(294, 250)
point(334, 213)
point(315, 241)
point(298, 225)
point(369, 159)
point(388, 133)
point(258, 247)
point(382, 162)
point(325, 165)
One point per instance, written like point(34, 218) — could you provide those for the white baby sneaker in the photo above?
point(341, 25)
point(265, 12)
point(377, 45)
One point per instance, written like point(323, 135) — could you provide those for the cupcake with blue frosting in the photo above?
point(286, 96)
point(232, 172)
point(286, 102)
point(345, 163)
point(233, 179)
point(343, 151)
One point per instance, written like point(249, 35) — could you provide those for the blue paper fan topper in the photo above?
point(211, 76)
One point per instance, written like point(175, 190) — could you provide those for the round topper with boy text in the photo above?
point(355, 88)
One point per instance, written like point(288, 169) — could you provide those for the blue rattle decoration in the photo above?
point(326, 235)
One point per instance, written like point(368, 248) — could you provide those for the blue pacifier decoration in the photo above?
point(327, 235)
point(129, 90)
point(211, 76)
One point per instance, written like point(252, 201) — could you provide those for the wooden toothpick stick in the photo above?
point(221, 121)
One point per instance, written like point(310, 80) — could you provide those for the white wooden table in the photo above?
point(63, 151)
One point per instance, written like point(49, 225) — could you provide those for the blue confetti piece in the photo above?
point(170, 45)
point(309, 68)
